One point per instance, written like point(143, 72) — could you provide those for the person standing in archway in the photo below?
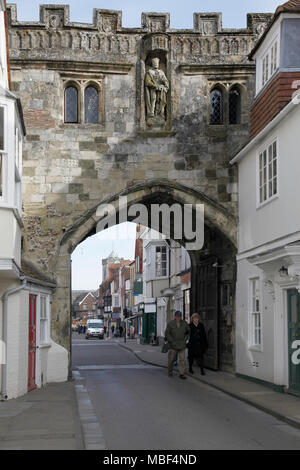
point(177, 334)
point(197, 345)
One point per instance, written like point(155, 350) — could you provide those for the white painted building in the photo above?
point(164, 291)
point(268, 272)
point(28, 356)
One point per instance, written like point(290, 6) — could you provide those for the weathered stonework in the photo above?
point(69, 169)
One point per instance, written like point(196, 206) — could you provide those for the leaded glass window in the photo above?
point(234, 106)
point(216, 107)
point(91, 105)
point(71, 105)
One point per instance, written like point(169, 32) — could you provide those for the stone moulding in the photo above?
point(107, 68)
point(151, 186)
point(232, 70)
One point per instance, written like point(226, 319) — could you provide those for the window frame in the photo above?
point(4, 156)
point(77, 88)
point(266, 73)
point(156, 272)
point(265, 149)
point(219, 88)
point(44, 341)
point(96, 87)
point(81, 83)
point(236, 87)
point(253, 314)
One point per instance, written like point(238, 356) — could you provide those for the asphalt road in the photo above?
point(140, 407)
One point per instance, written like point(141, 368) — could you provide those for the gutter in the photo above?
point(4, 303)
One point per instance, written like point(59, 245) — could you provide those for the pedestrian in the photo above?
point(112, 330)
point(121, 331)
point(131, 332)
point(197, 345)
point(177, 334)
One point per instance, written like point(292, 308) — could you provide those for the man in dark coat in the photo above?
point(197, 344)
point(177, 333)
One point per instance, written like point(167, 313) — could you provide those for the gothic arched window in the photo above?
point(91, 105)
point(71, 105)
point(234, 106)
point(216, 107)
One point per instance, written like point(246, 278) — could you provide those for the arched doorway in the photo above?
point(213, 266)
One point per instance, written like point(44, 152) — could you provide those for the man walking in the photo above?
point(177, 333)
point(198, 344)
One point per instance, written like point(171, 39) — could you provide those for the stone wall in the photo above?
point(70, 168)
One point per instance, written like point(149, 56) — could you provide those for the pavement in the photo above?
point(44, 419)
point(121, 398)
point(283, 406)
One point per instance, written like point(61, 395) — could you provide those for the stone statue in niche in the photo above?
point(157, 87)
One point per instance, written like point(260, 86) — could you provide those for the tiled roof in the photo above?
point(289, 7)
point(29, 270)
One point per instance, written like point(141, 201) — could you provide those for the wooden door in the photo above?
point(32, 343)
point(208, 308)
point(294, 339)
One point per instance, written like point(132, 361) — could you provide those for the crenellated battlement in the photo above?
point(108, 21)
point(54, 33)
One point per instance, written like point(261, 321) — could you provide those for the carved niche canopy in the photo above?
point(156, 42)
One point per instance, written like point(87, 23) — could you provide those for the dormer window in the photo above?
point(265, 73)
point(274, 58)
point(269, 63)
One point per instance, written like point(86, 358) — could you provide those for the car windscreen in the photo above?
point(95, 325)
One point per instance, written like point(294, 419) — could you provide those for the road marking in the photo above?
point(91, 344)
point(116, 366)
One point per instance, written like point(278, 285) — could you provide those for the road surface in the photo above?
point(139, 407)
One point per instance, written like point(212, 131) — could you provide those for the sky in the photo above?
point(86, 259)
point(234, 11)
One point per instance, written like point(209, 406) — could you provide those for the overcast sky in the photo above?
point(86, 259)
point(234, 11)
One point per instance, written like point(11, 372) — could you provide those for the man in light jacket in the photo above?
point(177, 334)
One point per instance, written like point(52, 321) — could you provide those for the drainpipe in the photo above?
point(4, 303)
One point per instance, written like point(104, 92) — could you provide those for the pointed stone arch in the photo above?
point(217, 218)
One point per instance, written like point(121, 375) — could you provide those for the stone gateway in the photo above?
point(152, 113)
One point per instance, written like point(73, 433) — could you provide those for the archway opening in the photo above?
point(212, 267)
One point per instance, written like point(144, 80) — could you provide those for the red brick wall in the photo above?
point(89, 302)
point(271, 101)
point(186, 278)
point(38, 119)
